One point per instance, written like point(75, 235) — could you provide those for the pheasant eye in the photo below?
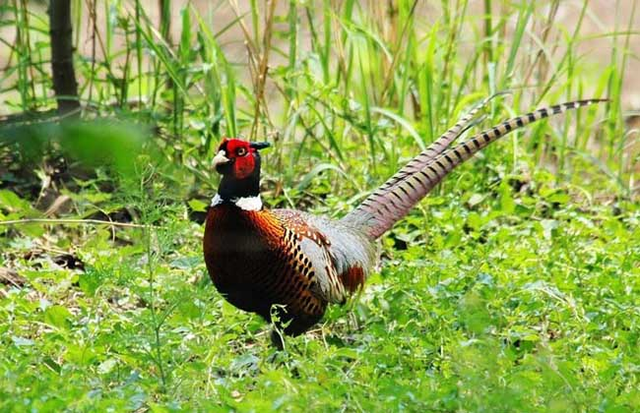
point(241, 151)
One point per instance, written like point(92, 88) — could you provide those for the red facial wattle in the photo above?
point(243, 166)
point(243, 157)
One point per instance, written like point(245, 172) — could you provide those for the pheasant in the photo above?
point(292, 264)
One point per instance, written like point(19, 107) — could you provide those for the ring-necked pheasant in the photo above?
point(258, 257)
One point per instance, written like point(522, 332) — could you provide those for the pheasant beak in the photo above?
point(220, 159)
point(259, 145)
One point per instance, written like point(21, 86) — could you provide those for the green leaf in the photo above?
point(57, 316)
point(507, 204)
point(12, 202)
point(197, 205)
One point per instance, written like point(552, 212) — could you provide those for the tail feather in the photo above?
point(435, 149)
point(379, 212)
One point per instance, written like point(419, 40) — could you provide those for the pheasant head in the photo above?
point(238, 161)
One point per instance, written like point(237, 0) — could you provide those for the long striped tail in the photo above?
point(393, 200)
point(436, 148)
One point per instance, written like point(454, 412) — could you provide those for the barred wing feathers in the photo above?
point(339, 256)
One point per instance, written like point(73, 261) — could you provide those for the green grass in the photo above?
point(513, 287)
point(523, 301)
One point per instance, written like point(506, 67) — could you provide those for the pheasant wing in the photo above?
point(340, 255)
